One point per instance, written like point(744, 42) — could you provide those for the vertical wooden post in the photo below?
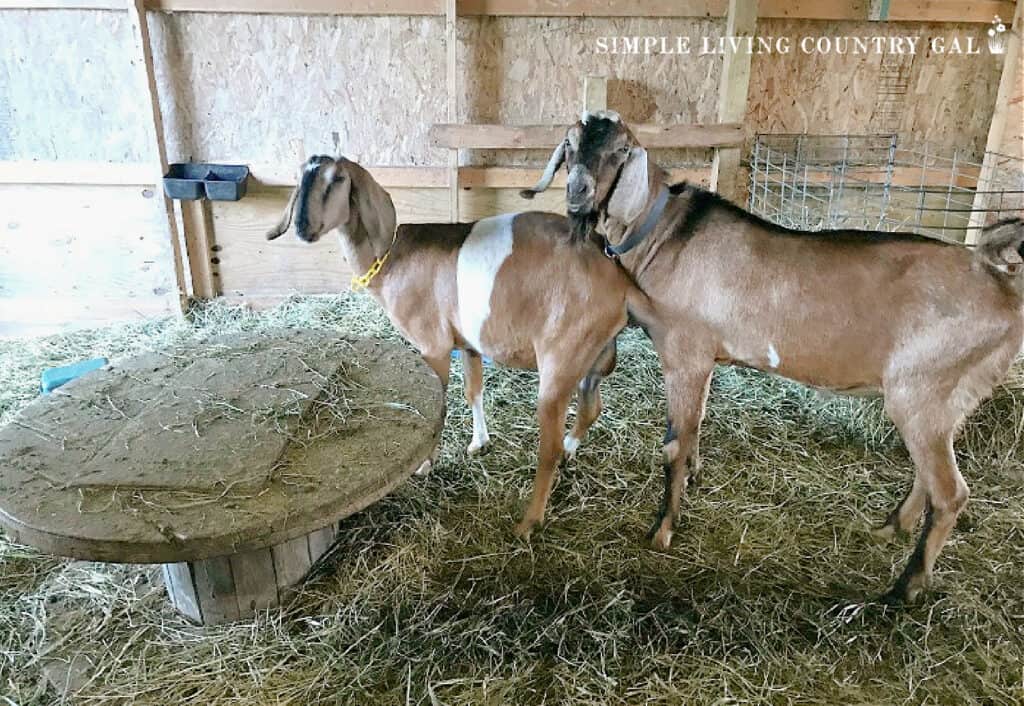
point(155, 123)
point(595, 93)
point(451, 64)
point(197, 223)
point(1009, 87)
point(732, 95)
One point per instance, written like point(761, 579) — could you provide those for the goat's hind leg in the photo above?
point(687, 392)
point(938, 485)
point(904, 517)
point(588, 398)
point(473, 374)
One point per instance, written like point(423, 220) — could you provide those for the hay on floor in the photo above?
point(428, 597)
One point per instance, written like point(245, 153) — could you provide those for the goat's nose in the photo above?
point(577, 188)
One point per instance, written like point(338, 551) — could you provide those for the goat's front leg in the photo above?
point(473, 369)
point(555, 392)
point(441, 364)
point(687, 391)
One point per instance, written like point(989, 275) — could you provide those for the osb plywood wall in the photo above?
point(942, 98)
point(274, 88)
point(81, 254)
point(67, 87)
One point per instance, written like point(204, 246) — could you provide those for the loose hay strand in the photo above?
point(428, 598)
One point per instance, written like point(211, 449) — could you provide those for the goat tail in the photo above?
point(1001, 247)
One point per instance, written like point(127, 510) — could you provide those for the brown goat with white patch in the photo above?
point(931, 326)
point(516, 288)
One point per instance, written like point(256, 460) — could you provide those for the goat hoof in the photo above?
point(524, 529)
point(884, 534)
point(478, 448)
point(570, 444)
point(424, 468)
point(662, 539)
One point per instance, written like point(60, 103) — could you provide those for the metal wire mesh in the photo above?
point(873, 182)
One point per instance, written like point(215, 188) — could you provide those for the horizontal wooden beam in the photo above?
point(388, 177)
point(980, 11)
point(484, 136)
point(280, 175)
point(82, 173)
point(521, 178)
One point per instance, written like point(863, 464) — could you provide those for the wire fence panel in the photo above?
point(874, 182)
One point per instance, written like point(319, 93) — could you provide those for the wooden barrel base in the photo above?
point(227, 588)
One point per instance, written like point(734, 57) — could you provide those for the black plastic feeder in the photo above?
point(196, 180)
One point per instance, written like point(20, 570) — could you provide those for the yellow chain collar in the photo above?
point(363, 281)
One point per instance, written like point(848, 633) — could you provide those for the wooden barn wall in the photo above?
point(273, 89)
point(81, 255)
point(946, 99)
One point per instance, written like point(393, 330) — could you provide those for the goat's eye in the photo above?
point(624, 149)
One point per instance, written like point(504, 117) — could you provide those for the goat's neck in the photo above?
point(637, 259)
point(360, 249)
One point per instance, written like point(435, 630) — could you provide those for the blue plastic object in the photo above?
point(52, 378)
point(487, 361)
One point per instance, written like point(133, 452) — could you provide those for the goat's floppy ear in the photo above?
point(632, 188)
point(557, 157)
point(373, 204)
point(286, 218)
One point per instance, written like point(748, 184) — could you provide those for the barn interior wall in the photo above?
point(275, 88)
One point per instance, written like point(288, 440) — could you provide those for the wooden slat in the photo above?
point(92, 173)
point(320, 541)
point(1009, 84)
point(451, 87)
point(980, 11)
point(181, 590)
point(522, 177)
point(732, 96)
point(291, 562)
point(255, 581)
point(215, 590)
point(487, 136)
point(197, 222)
point(155, 126)
point(388, 177)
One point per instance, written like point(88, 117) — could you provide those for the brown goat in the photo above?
point(516, 288)
point(929, 325)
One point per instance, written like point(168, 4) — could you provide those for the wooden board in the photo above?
point(81, 255)
point(226, 588)
point(189, 454)
point(908, 10)
point(547, 136)
point(215, 590)
point(255, 581)
point(732, 98)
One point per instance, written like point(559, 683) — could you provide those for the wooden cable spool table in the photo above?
point(229, 462)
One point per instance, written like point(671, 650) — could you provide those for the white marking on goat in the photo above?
point(328, 174)
point(312, 166)
point(487, 246)
point(773, 356)
point(570, 443)
point(480, 435)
